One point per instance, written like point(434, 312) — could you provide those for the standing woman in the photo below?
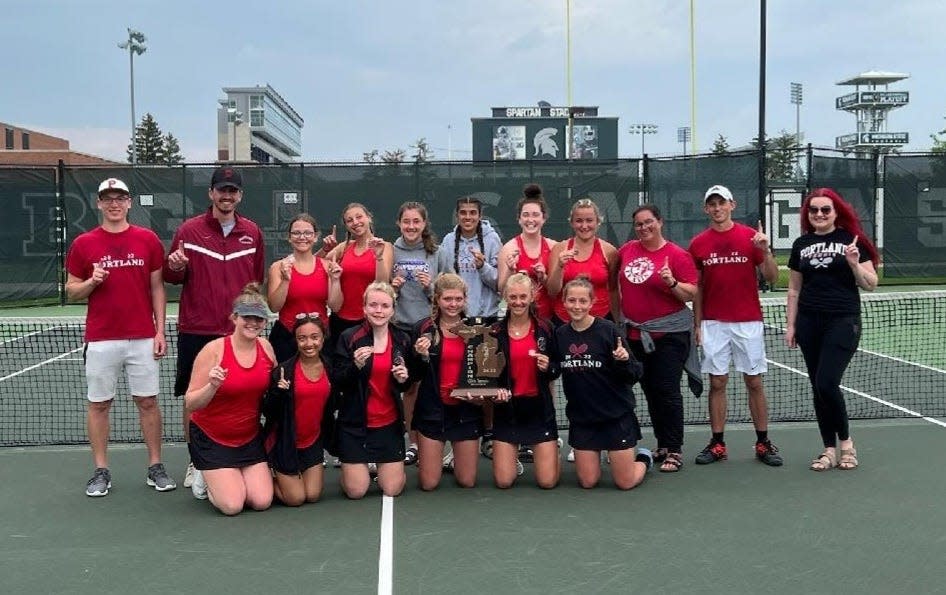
point(302, 282)
point(416, 263)
point(597, 374)
point(529, 252)
point(828, 263)
point(586, 255)
point(372, 369)
point(529, 417)
point(656, 278)
point(364, 259)
point(226, 389)
point(438, 417)
point(472, 251)
point(298, 417)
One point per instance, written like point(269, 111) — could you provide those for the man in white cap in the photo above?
point(117, 267)
point(213, 256)
point(729, 317)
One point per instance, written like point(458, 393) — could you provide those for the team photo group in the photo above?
point(371, 341)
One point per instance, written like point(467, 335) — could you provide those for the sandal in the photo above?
point(824, 461)
point(848, 461)
point(672, 462)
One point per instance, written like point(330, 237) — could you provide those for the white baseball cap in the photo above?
point(113, 184)
point(720, 191)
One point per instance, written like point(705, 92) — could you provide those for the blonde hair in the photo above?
point(382, 287)
point(585, 203)
point(357, 205)
point(519, 278)
point(252, 293)
point(445, 282)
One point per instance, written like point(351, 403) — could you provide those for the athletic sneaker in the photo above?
point(189, 475)
point(199, 487)
point(570, 457)
point(644, 456)
point(519, 468)
point(526, 455)
point(372, 468)
point(448, 461)
point(158, 478)
point(486, 445)
point(714, 451)
point(768, 454)
point(100, 483)
point(410, 455)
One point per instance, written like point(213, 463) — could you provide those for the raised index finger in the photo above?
point(760, 228)
point(854, 243)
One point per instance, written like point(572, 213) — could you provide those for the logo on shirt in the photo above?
point(639, 270)
point(822, 254)
point(410, 268)
point(247, 240)
point(733, 257)
point(578, 357)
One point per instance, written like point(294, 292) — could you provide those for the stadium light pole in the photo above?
point(135, 44)
point(683, 136)
point(236, 118)
point(796, 98)
point(643, 130)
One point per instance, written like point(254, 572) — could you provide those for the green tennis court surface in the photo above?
point(732, 527)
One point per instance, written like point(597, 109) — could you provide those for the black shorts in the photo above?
point(615, 434)
point(459, 423)
point(524, 420)
point(378, 445)
point(207, 454)
point(284, 344)
point(308, 457)
point(188, 346)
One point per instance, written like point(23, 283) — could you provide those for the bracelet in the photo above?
point(675, 283)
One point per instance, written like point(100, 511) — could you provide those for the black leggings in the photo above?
point(663, 369)
point(828, 343)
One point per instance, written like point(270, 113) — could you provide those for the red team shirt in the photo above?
point(306, 294)
point(644, 295)
point(232, 418)
point(452, 352)
point(311, 397)
point(727, 261)
point(595, 269)
point(119, 308)
point(358, 272)
point(522, 368)
point(543, 302)
point(381, 408)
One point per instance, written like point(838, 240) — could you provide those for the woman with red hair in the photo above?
point(829, 262)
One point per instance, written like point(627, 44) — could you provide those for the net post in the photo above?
point(61, 231)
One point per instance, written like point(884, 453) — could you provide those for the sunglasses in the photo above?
point(825, 210)
point(313, 316)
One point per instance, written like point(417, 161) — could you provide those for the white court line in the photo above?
point(43, 363)
point(867, 396)
point(27, 335)
point(386, 551)
point(903, 361)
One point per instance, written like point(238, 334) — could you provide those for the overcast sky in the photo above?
point(367, 75)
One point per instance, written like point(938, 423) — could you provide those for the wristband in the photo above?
point(675, 283)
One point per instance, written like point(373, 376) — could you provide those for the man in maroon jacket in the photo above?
point(213, 255)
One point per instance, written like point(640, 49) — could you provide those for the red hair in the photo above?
point(846, 219)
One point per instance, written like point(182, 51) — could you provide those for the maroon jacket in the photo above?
point(217, 270)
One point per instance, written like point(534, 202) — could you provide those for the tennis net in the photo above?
point(898, 371)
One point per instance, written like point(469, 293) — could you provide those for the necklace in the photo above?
point(518, 332)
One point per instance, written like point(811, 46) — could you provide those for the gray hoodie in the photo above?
point(413, 301)
point(482, 293)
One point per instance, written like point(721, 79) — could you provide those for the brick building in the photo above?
point(21, 146)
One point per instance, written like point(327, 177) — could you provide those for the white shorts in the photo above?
point(742, 342)
point(104, 361)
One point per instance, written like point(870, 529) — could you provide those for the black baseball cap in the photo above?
point(226, 176)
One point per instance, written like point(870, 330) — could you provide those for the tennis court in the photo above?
point(733, 527)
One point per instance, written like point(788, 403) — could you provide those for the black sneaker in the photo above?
point(410, 455)
point(486, 445)
point(768, 454)
point(100, 483)
point(526, 455)
point(714, 451)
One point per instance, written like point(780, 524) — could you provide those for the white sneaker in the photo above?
point(519, 468)
point(199, 486)
point(448, 461)
point(373, 468)
point(571, 455)
point(560, 442)
point(189, 475)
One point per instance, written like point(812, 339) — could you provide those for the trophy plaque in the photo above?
point(483, 363)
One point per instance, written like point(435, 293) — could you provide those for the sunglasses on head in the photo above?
point(826, 209)
point(308, 316)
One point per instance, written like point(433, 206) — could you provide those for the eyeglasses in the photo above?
point(825, 210)
point(114, 199)
point(308, 316)
point(302, 234)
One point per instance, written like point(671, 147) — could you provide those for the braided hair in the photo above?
point(467, 200)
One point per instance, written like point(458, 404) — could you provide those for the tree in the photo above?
point(780, 156)
point(720, 146)
point(154, 147)
point(422, 151)
point(939, 144)
point(171, 154)
point(371, 156)
point(393, 157)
